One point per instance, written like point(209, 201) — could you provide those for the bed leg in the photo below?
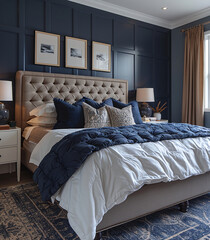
point(98, 236)
point(183, 207)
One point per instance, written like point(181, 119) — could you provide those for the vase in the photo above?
point(157, 115)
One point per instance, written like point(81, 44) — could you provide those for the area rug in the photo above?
point(24, 216)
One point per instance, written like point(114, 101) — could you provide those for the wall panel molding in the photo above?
point(140, 51)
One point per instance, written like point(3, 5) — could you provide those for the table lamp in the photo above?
point(5, 95)
point(145, 95)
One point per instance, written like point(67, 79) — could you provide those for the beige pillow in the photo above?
point(42, 121)
point(44, 110)
point(120, 117)
point(95, 118)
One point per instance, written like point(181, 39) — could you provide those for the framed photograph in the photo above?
point(101, 56)
point(76, 53)
point(47, 49)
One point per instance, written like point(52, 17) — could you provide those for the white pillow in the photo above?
point(42, 121)
point(44, 110)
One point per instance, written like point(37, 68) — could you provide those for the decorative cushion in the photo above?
point(42, 121)
point(44, 110)
point(120, 117)
point(135, 109)
point(95, 118)
point(96, 105)
point(69, 115)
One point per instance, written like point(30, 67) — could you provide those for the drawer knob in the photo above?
point(0, 155)
point(0, 139)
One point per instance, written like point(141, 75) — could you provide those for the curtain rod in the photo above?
point(184, 30)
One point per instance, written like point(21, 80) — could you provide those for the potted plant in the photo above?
point(157, 111)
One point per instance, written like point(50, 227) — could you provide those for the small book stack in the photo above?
point(148, 119)
point(4, 127)
point(152, 118)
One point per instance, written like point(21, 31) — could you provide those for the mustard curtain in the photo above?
point(192, 98)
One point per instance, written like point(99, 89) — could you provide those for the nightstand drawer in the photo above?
point(8, 155)
point(8, 138)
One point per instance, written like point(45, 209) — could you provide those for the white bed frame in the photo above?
point(35, 88)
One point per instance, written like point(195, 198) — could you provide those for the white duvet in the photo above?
point(110, 175)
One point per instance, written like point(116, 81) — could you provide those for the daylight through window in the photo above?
point(207, 71)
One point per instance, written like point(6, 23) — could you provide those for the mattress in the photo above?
point(29, 146)
point(35, 133)
point(31, 135)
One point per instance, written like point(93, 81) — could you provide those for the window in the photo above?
point(207, 71)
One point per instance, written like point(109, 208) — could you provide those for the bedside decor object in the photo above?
point(5, 95)
point(157, 115)
point(148, 119)
point(156, 121)
point(158, 110)
point(145, 119)
point(76, 53)
point(47, 49)
point(12, 124)
point(101, 57)
point(145, 95)
point(4, 127)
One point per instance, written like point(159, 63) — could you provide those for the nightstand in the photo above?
point(155, 122)
point(10, 147)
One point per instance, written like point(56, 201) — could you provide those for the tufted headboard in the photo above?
point(36, 88)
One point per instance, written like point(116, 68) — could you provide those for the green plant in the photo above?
point(159, 108)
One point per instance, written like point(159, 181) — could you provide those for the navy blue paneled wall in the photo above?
point(140, 51)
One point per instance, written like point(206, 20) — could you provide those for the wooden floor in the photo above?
point(10, 179)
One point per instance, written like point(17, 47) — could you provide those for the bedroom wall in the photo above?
point(177, 70)
point(140, 51)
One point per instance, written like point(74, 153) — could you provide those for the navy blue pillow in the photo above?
point(69, 115)
point(135, 109)
point(96, 105)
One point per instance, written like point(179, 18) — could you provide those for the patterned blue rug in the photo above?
point(24, 216)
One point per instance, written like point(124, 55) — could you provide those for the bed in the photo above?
point(35, 88)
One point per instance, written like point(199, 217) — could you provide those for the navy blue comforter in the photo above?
point(70, 153)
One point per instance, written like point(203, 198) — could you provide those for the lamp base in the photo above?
point(145, 110)
point(4, 114)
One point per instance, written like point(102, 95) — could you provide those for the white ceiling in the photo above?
point(179, 12)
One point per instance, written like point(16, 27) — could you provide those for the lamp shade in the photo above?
point(5, 90)
point(145, 95)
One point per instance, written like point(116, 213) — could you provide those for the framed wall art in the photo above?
point(101, 56)
point(47, 49)
point(76, 53)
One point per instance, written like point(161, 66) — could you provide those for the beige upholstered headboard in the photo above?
point(36, 88)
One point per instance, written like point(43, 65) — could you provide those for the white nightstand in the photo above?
point(10, 147)
point(155, 122)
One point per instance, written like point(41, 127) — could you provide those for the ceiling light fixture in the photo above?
point(164, 8)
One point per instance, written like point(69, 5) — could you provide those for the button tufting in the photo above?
point(43, 89)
